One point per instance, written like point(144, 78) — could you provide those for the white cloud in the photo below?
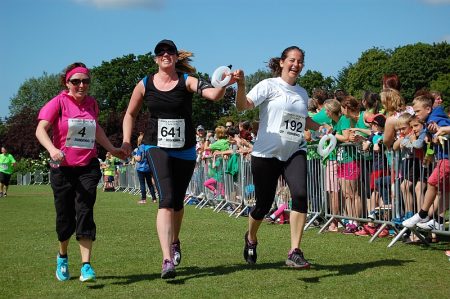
point(437, 2)
point(152, 4)
point(446, 38)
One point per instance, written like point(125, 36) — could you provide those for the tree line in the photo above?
point(419, 66)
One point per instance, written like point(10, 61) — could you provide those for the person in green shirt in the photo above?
point(7, 162)
point(109, 171)
point(349, 167)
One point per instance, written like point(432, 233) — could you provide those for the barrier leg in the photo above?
point(326, 225)
point(377, 232)
point(311, 221)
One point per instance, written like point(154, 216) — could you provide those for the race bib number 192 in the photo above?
point(292, 127)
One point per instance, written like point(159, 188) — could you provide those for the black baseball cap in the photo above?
point(165, 43)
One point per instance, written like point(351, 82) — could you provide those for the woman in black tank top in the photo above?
point(170, 138)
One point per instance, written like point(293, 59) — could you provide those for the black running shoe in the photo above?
point(249, 250)
point(297, 260)
point(176, 251)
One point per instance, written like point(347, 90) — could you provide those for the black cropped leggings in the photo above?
point(172, 177)
point(266, 172)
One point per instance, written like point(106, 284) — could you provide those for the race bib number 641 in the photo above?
point(292, 127)
point(171, 133)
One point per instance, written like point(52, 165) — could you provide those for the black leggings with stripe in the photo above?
point(266, 172)
point(172, 177)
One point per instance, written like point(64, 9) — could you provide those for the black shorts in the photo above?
point(5, 178)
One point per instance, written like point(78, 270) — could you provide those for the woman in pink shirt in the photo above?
point(75, 172)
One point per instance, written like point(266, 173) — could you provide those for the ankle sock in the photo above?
point(423, 214)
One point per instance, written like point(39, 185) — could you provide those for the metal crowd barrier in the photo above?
point(383, 187)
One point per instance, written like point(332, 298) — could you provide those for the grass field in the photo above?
point(127, 257)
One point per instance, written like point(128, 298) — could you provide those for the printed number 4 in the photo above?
point(82, 132)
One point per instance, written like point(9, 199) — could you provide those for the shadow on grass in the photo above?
point(186, 273)
point(193, 272)
point(351, 269)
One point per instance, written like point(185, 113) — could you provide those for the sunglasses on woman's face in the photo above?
point(169, 51)
point(77, 82)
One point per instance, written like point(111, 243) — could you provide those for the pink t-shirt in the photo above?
point(74, 126)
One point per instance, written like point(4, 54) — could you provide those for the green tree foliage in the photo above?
point(442, 84)
point(314, 79)
point(418, 65)
point(366, 73)
point(34, 93)
point(113, 81)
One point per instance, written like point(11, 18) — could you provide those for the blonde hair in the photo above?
point(221, 132)
point(426, 101)
point(392, 100)
point(403, 119)
point(333, 106)
point(139, 140)
point(183, 63)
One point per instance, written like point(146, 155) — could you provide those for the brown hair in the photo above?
point(391, 81)
point(274, 63)
point(350, 103)
point(68, 69)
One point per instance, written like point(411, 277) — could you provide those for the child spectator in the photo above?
point(109, 171)
point(379, 170)
point(215, 172)
point(411, 142)
point(439, 179)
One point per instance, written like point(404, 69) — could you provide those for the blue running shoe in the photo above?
point(87, 273)
point(62, 268)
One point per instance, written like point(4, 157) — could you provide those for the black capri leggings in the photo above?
point(172, 177)
point(75, 193)
point(266, 172)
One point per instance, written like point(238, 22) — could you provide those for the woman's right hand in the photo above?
point(126, 149)
point(56, 155)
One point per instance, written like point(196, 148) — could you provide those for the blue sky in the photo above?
point(40, 36)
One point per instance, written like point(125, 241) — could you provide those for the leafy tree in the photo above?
point(366, 73)
point(34, 93)
point(442, 84)
point(418, 65)
point(113, 81)
point(314, 79)
point(20, 134)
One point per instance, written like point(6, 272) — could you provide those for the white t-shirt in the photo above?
point(283, 111)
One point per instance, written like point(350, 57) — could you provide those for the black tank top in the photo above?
point(172, 104)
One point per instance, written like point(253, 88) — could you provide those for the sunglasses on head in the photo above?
point(169, 51)
point(77, 82)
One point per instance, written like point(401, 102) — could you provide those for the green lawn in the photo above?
point(127, 257)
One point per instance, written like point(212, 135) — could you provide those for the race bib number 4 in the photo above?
point(292, 127)
point(81, 133)
point(171, 133)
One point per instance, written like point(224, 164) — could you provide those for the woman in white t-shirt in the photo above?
point(280, 148)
